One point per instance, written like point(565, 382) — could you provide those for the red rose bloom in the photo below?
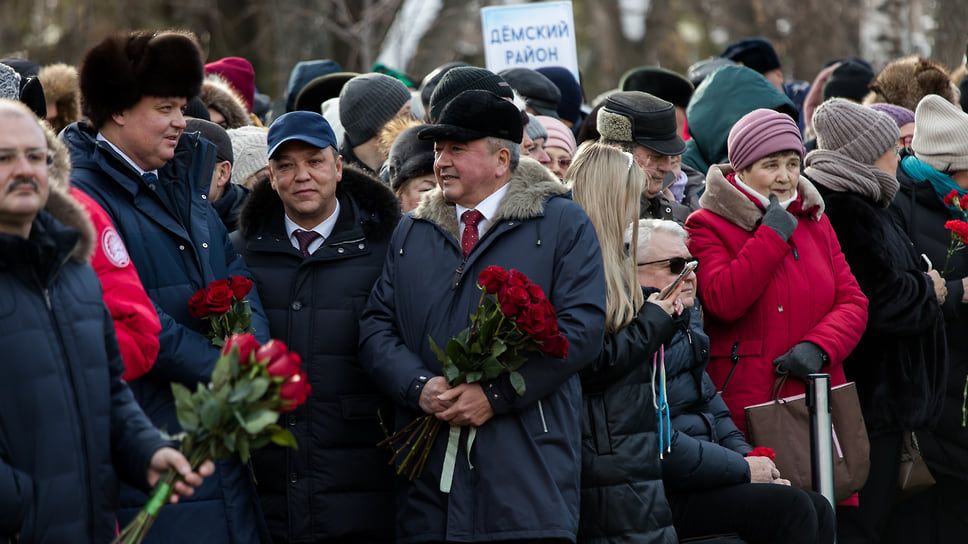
point(518, 279)
point(964, 202)
point(556, 346)
point(246, 344)
point(512, 299)
point(959, 228)
point(240, 286)
point(219, 298)
point(763, 452)
point(278, 359)
point(536, 293)
point(539, 321)
point(198, 305)
point(295, 391)
point(492, 279)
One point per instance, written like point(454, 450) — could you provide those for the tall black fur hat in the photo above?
point(125, 66)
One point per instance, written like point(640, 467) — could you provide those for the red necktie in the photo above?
point(469, 238)
point(305, 237)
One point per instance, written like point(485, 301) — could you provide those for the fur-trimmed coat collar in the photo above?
point(63, 206)
point(379, 208)
point(531, 184)
point(728, 201)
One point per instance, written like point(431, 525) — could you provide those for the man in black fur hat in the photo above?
point(134, 160)
point(315, 236)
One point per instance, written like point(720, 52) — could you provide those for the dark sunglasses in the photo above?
point(676, 264)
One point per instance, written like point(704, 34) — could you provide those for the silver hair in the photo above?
point(648, 227)
point(513, 148)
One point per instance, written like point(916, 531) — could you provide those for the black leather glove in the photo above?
point(778, 219)
point(802, 360)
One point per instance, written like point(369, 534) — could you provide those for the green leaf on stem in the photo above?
point(184, 409)
point(222, 370)
point(474, 376)
point(211, 414)
point(240, 392)
point(437, 351)
point(243, 445)
point(259, 420)
point(259, 387)
point(517, 382)
point(229, 441)
point(283, 437)
point(451, 372)
point(492, 367)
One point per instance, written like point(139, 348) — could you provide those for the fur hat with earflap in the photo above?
point(905, 81)
point(124, 67)
point(62, 90)
point(218, 94)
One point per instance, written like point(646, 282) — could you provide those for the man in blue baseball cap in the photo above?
point(314, 236)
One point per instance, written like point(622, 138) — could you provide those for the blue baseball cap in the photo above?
point(305, 126)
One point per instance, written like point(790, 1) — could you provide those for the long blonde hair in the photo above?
point(607, 183)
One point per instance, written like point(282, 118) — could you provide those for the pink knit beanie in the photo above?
point(240, 75)
point(760, 133)
point(559, 135)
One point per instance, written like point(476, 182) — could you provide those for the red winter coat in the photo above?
point(135, 320)
point(763, 295)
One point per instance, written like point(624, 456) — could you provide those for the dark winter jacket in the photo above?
point(707, 448)
point(231, 204)
point(622, 496)
point(338, 484)
point(900, 364)
point(69, 427)
point(922, 215)
point(721, 99)
point(763, 294)
point(173, 262)
point(695, 185)
point(524, 483)
point(659, 207)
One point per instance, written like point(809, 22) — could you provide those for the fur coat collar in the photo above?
point(63, 206)
point(728, 201)
point(531, 184)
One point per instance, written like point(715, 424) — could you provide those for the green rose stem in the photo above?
point(138, 528)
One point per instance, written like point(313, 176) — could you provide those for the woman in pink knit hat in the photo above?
point(779, 297)
point(560, 145)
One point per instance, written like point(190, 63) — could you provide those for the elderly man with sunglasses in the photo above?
point(705, 470)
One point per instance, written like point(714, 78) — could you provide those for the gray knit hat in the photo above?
point(534, 129)
point(367, 102)
point(941, 134)
point(859, 132)
point(250, 150)
point(465, 78)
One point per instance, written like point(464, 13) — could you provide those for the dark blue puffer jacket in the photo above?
point(707, 448)
point(178, 243)
point(69, 427)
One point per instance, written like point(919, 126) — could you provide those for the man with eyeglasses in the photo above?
point(69, 426)
point(645, 126)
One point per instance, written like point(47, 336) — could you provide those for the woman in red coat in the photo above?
point(777, 292)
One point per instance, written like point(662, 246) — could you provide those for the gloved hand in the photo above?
point(802, 360)
point(778, 219)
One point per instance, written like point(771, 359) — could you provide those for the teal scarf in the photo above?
point(917, 169)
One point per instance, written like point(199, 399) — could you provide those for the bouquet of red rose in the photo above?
point(513, 318)
point(958, 227)
point(224, 304)
point(234, 414)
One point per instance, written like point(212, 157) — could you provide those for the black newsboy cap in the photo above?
point(473, 115)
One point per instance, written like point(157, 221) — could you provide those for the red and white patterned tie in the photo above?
point(469, 238)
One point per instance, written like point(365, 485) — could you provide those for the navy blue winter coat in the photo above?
point(524, 483)
point(338, 485)
point(69, 427)
point(174, 261)
point(707, 448)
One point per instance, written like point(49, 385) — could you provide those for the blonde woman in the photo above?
point(622, 498)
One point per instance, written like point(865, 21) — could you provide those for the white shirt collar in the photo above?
point(324, 229)
point(127, 159)
point(487, 207)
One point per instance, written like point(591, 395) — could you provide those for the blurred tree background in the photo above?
point(414, 36)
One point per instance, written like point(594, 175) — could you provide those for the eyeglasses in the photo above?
point(676, 264)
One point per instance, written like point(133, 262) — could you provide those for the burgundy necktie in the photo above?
point(305, 237)
point(469, 238)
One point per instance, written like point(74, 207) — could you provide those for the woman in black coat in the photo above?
point(899, 364)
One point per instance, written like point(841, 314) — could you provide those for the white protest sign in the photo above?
point(530, 36)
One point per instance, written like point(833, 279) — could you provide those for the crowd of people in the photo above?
point(699, 235)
